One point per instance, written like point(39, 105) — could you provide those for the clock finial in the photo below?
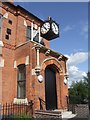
point(49, 18)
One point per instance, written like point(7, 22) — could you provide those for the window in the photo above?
point(35, 34)
point(7, 37)
point(21, 82)
point(10, 22)
point(28, 35)
point(9, 31)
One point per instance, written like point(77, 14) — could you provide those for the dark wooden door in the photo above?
point(50, 89)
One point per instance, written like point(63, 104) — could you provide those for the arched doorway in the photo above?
point(50, 88)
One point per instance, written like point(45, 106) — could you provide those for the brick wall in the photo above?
point(16, 49)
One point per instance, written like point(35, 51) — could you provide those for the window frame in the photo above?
point(28, 35)
point(21, 87)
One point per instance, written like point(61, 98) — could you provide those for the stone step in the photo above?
point(47, 114)
point(67, 115)
point(49, 111)
point(62, 115)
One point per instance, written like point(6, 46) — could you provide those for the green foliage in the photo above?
point(22, 117)
point(79, 92)
point(18, 117)
point(87, 82)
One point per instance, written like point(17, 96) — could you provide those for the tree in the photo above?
point(78, 92)
point(87, 81)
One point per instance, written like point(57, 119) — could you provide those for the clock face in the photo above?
point(55, 28)
point(45, 27)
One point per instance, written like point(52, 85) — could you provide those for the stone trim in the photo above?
point(5, 15)
point(1, 43)
point(20, 101)
point(52, 52)
point(15, 64)
point(25, 23)
point(60, 69)
point(27, 60)
point(1, 62)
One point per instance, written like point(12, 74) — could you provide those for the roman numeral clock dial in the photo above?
point(49, 30)
point(55, 28)
point(45, 28)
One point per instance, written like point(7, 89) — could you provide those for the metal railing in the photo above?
point(12, 110)
point(42, 102)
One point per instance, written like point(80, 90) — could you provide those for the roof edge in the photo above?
point(21, 9)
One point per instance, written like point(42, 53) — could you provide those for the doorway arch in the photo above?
point(55, 66)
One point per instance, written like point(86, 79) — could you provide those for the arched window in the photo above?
point(21, 82)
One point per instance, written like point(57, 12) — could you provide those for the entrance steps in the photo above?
point(54, 114)
point(48, 114)
point(67, 115)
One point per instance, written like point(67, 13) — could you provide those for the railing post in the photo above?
point(41, 106)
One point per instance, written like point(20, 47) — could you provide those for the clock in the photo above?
point(55, 28)
point(45, 27)
point(49, 29)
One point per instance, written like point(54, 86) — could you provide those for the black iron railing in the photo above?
point(16, 110)
point(42, 102)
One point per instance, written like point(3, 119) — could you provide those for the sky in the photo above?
point(72, 18)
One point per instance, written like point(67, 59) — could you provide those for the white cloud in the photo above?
point(77, 58)
point(67, 28)
point(74, 72)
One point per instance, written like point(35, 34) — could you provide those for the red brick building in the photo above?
point(26, 58)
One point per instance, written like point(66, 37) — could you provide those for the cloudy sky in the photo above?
point(72, 18)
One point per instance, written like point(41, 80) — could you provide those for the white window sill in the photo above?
point(20, 101)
